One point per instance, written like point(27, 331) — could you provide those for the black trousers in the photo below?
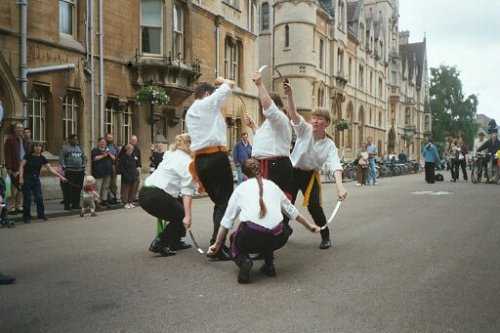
point(216, 176)
point(162, 205)
point(457, 165)
point(430, 170)
point(72, 188)
point(280, 171)
point(301, 179)
point(249, 241)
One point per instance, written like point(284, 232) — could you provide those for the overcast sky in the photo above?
point(461, 33)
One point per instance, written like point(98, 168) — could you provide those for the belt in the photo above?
point(192, 166)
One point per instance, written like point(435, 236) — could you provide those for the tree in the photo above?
point(452, 113)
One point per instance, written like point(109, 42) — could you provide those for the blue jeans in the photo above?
point(372, 173)
point(240, 174)
point(33, 186)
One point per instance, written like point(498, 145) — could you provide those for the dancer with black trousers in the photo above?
point(167, 194)
point(211, 169)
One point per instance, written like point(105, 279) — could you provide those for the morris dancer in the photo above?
point(259, 204)
point(167, 194)
point(312, 150)
point(272, 140)
point(211, 169)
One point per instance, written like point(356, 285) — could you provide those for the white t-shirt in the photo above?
point(274, 136)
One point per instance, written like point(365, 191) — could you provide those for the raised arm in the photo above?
point(265, 98)
point(292, 109)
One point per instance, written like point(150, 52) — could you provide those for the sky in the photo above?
point(460, 33)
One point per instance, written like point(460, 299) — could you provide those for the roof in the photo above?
point(413, 57)
point(353, 16)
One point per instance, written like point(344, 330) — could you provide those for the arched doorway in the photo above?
point(350, 120)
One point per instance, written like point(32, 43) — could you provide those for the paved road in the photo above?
point(403, 262)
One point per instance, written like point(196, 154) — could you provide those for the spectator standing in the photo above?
point(481, 158)
point(461, 152)
point(72, 160)
point(372, 154)
point(157, 152)
point(242, 151)
point(402, 157)
point(136, 155)
point(113, 185)
point(14, 154)
point(431, 157)
point(127, 166)
point(27, 141)
point(102, 168)
point(493, 146)
point(363, 167)
point(29, 178)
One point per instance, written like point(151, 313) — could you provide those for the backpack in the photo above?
point(439, 177)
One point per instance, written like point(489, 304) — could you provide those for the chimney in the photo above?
point(404, 37)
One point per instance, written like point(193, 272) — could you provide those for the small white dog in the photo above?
point(89, 196)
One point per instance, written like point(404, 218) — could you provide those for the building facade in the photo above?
point(85, 61)
point(347, 57)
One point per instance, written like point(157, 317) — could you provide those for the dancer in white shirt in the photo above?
point(167, 195)
point(211, 168)
point(313, 149)
point(272, 140)
point(259, 204)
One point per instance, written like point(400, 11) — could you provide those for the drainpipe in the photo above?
point(101, 68)
point(46, 69)
point(217, 45)
point(23, 53)
point(90, 4)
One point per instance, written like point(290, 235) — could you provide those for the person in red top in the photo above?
point(14, 153)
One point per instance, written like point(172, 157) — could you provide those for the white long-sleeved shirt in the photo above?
point(309, 154)
point(205, 123)
point(274, 136)
point(244, 202)
point(172, 175)
point(477, 144)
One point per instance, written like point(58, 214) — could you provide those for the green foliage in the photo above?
point(341, 125)
point(452, 113)
point(152, 95)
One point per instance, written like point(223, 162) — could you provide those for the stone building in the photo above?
point(85, 60)
point(346, 57)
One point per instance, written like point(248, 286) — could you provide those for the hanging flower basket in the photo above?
point(152, 95)
point(341, 125)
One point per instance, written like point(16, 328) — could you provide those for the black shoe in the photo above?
point(155, 245)
point(67, 208)
point(268, 269)
point(245, 267)
point(325, 244)
point(222, 255)
point(93, 214)
point(166, 252)
point(5, 279)
point(43, 218)
point(181, 246)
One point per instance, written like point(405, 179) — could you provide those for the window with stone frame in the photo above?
point(178, 21)
point(321, 53)
point(264, 16)
point(350, 71)
point(361, 82)
point(112, 117)
point(152, 27)
point(380, 119)
point(407, 116)
point(126, 124)
point(67, 17)
point(70, 114)
point(341, 20)
point(252, 9)
point(232, 63)
point(321, 97)
point(232, 3)
point(380, 88)
point(37, 114)
point(362, 35)
point(287, 36)
point(371, 82)
point(340, 63)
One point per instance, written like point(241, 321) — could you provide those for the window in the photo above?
point(37, 113)
point(251, 19)
point(340, 62)
point(380, 88)
point(321, 55)
point(362, 35)
point(407, 117)
point(151, 26)
point(321, 97)
point(70, 115)
point(371, 82)
point(67, 16)
point(287, 36)
point(264, 17)
point(341, 15)
point(394, 77)
point(178, 32)
point(380, 119)
point(126, 124)
point(232, 59)
point(233, 3)
point(111, 117)
point(427, 123)
point(361, 82)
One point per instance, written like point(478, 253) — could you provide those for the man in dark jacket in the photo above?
point(14, 154)
point(492, 146)
point(113, 185)
point(136, 154)
point(242, 151)
point(102, 168)
point(72, 160)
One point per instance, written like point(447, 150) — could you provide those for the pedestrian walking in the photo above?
point(431, 157)
point(72, 160)
point(102, 168)
point(167, 195)
point(242, 151)
point(29, 178)
point(211, 167)
point(113, 185)
point(89, 196)
point(14, 153)
point(372, 162)
point(259, 204)
point(127, 166)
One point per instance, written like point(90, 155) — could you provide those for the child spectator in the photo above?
point(89, 196)
point(362, 172)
